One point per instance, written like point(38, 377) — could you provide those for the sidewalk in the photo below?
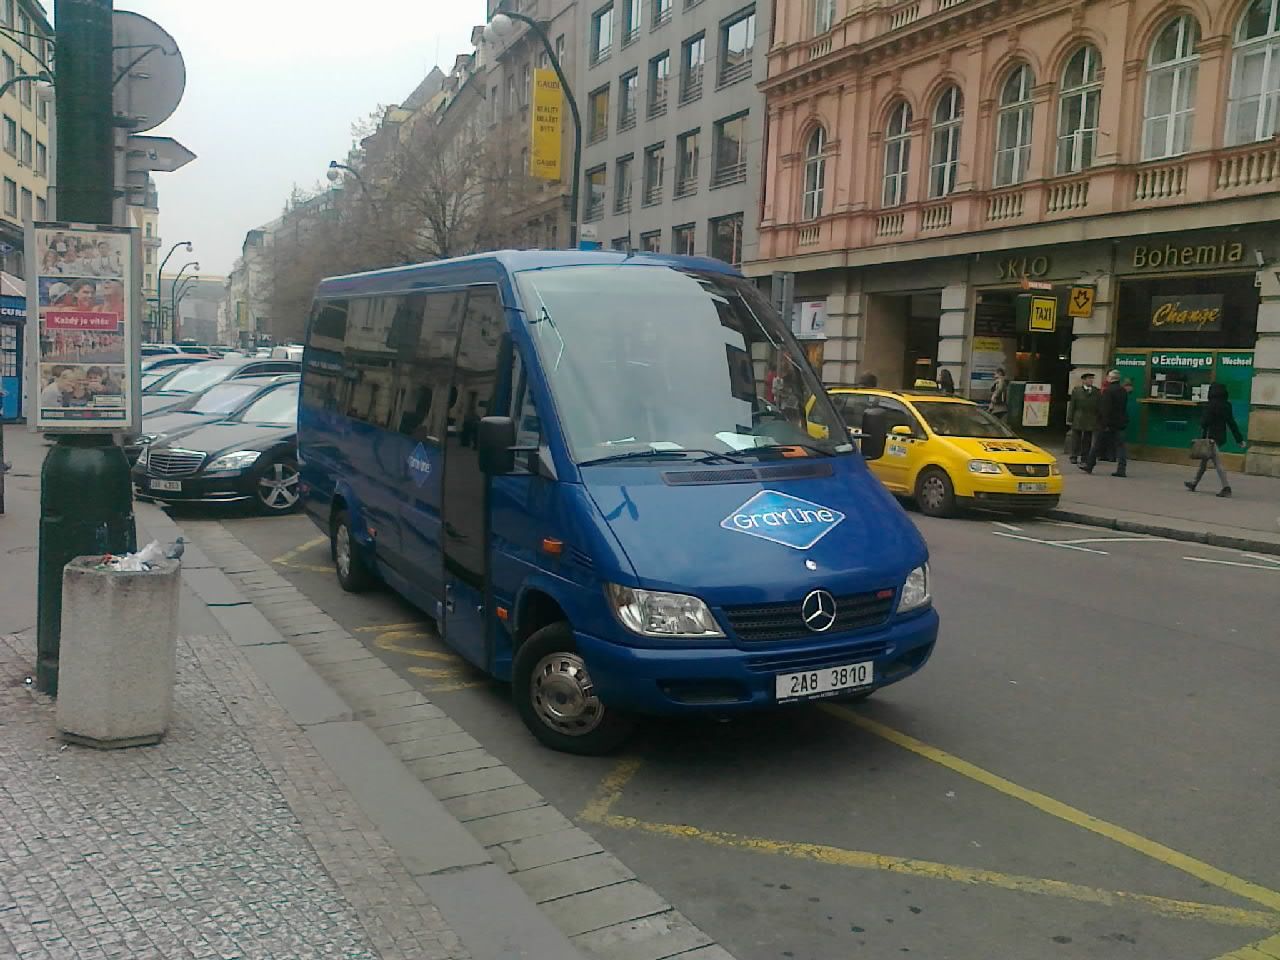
point(1153, 500)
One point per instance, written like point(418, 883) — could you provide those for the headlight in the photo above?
point(1054, 471)
point(983, 466)
point(147, 438)
point(233, 461)
point(653, 614)
point(915, 591)
point(144, 456)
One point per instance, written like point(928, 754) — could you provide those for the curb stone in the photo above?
point(1207, 537)
point(590, 896)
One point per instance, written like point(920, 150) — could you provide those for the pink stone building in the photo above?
point(925, 159)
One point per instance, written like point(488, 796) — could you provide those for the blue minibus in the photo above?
point(613, 480)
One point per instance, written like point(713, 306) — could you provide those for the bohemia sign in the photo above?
point(1192, 312)
point(1200, 255)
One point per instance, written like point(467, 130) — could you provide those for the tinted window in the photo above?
point(368, 361)
point(279, 407)
point(329, 322)
point(422, 383)
point(197, 377)
point(224, 397)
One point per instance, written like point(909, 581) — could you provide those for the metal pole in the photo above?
point(573, 112)
point(86, 501)
point(173, 303)
point(160, 280)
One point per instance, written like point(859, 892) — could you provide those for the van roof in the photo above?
point(478, 267)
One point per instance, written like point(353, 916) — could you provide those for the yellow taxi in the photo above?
point(947, 452)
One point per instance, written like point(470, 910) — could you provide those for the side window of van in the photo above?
point(423, 382)
point(476, 369)
point(369, 364)
point(523, 412)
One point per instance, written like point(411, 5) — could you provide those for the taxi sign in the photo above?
point(1044, 314)
point(1080, 302)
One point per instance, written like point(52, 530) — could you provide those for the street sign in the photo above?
point(1044, 315)
point(1080, 302)
point(1035, 284)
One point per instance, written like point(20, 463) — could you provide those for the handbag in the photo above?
point(1202, 448)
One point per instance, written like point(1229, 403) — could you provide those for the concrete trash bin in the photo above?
point(117, 659)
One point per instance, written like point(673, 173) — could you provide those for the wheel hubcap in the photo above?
point(563, 695)
point(278, 488)
point(342, 549)
point(933, 492)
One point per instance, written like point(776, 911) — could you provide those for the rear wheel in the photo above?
point(935, 496)
point(557, 700)
point(353, 574)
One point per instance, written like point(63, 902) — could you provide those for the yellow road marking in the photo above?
point(610, 790)
point(1268, 949)
point(380, 627)
point(286, 559)
point(1150, 848)
point(388, 642)
point(434, 673)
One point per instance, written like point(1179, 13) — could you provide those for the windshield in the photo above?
point(646, 360)
point(195, 377)
point(224, 397)
point(961, 420)
point(279, 407)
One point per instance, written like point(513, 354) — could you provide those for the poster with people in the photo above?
point(82, 349)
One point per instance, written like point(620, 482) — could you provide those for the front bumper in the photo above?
point(982, 486)
point(196, 489)
point(678, 680)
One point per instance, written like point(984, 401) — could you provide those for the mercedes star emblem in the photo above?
point(819, 611)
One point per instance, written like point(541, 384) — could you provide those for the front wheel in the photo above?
point(935, 496)
point(557, 700)
point(277, 487)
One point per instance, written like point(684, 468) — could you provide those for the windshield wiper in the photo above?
point(708, 456)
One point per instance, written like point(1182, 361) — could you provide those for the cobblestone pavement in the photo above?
point(230, 839)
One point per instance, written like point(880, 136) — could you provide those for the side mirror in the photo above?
point(875, 429)
point(495, 438)
point(901, 430)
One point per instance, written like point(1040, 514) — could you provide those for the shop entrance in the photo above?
point(1028, 357)
point(901, 342)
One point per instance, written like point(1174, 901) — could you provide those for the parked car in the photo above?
point(155, 349)
point(163, 361)
point(220, 401)
point(250, 456)
point(288, 351)
point(173, 390)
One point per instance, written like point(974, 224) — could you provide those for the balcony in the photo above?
point(1253, 169)
point(626, 120)
point(729, 173)
point(657, 100)
point(687, 185)
point(735, 71)
point(820, 48)
point(691, 86)
point(1162, 181)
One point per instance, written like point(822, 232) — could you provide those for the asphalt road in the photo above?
point(1086, 768)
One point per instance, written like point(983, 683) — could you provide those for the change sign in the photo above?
point(1191, 312)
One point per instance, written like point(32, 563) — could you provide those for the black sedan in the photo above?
point(252, 456)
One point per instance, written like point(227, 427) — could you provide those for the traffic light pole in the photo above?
point(86, 502)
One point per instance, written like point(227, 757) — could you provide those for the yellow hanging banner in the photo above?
point(547, 126)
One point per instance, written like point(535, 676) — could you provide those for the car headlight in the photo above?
point(147, 438)
point(915, 591)
point(983, 466)
point(144, 456)
point(233, 461)
point(1054, 470)
point(654, 614)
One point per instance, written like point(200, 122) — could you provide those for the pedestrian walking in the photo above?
point(1113, 420)
point(1215, 420)
point(1082, 417)
point(998, 403)
point(947, 382)
point(867, 381)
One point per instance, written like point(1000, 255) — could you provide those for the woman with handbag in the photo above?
point(1214, 422)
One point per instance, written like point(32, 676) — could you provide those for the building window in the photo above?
point(10, 69)
point(621, 244)
point(737, 39)
point(659, 74)
point(1254, 111)
point(1013, 128)
point(148, 229)
point(622, 178)
point(42, 209)
point(661, 12)
point(10, 135)
point(42, 109)
point(511, 95)
point(682, 240)
point(24, 27)
point(601, 33)
point(494, 109)
point(151, 254)
point(726, 238)
point(651, 241)
point(1078, 111)
point(560, 52)
point(24, 148)
point(824, 16)
point(526, 85)
point(26, 204)
point(10, 197)
point(8, 13)
point(687, 164)
point(897, 155)
point(655, 162)
point(693, 56)
point(944, 151)
point(595, 194)
point(598, 110)
point(151, 281)
point(24, 93)
point(815, 175)
point(1171, 90)
point(730, 146)
point(628, 93)
point(630, 20)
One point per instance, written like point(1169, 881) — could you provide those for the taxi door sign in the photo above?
point(1080, 302)
point(1043, 317)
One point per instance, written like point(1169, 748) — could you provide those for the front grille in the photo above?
point(784, 621)
point(1028, 469)
point(827, 656)
point(174, 463)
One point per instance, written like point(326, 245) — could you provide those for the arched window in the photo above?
point(1171, 90)
point(1078, 110)
point(1013, 127)
point(944, 150)
point(815, 174)
point(1254, 111)
point(897, 155)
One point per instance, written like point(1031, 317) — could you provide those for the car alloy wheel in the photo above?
point(278, 487)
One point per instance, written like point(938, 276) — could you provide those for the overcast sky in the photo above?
point(273, 87)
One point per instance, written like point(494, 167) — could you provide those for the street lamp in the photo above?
point(160, 275)
point(334, 176)
point(501, 23)
point(173, 300)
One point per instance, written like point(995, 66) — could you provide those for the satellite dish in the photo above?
point(148, 71)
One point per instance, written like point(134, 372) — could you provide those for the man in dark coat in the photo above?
point(1113, 420)
point(1215, 420)
point(1082, 416)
